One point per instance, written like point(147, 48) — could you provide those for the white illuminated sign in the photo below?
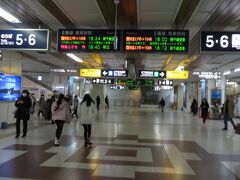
point(208, 75)
point(220, 41)
point(64, 70)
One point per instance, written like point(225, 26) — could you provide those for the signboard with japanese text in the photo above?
point(177, 75)
point(90, 72)
point(220, 41)
point(152, 41)
point(208, 75)
point(151, 74)
point(88, 40)
point(165, 83)
point(24, 39)
point(102, 81)
point(114, 73)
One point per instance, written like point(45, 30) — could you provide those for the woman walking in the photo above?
point(60, 115)
point(86, 117)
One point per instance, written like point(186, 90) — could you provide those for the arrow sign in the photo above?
point(162, 74)
point(105, 73)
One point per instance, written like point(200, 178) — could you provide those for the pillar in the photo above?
point(223, 85)
point(180, 97)
point(10, 64)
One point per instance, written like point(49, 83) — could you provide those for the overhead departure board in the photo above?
point(88, 40)
point(168, 41)
point(137, 82)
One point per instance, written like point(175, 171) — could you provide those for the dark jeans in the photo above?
point(98, 107)
point(162, 108)
point(87, 131)
point(59, 124)
point(75, 112)
point(24, 126)
point(226, 118)
point(40, 112)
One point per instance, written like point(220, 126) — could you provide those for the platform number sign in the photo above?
point(24, 39)
point(165, 83)
point(220, 41)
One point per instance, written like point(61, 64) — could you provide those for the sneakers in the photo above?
point(224, 129)
point(56, 142)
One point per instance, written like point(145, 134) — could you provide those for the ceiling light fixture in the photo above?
point(237, 70)
point(179, 68)
point(226, 73)
point(5, 15)
point(74, 57)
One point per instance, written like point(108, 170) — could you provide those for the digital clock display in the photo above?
point(88, 40)
point(24, 39)
point(220, 41)
point(166, 41)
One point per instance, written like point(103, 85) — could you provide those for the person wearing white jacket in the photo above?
point(60, 115)
point(86, 117)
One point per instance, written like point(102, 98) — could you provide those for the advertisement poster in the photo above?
point(216, 96)
point(10, 87)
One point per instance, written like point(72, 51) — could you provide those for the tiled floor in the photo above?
point(128, 143)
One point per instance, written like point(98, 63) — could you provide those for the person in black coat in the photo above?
point(106, 102)
point(162, 104)
point(98, 102)
point(194, 107)
point(204, 109)
point(23, 105)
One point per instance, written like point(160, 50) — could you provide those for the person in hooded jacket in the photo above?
point(60, 115)
point(204, 109)
point(86, 117)
point(194, 107)
point(23, 105)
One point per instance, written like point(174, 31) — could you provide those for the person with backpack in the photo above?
point(60, 115)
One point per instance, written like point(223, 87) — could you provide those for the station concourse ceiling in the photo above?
point(192, 15)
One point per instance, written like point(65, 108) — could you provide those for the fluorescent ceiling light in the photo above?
point(226, 73)
point(237, 70)
point(74, 57)
point(5, 15)
point(179, 68)
point(39, 78)
point(231, 83)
